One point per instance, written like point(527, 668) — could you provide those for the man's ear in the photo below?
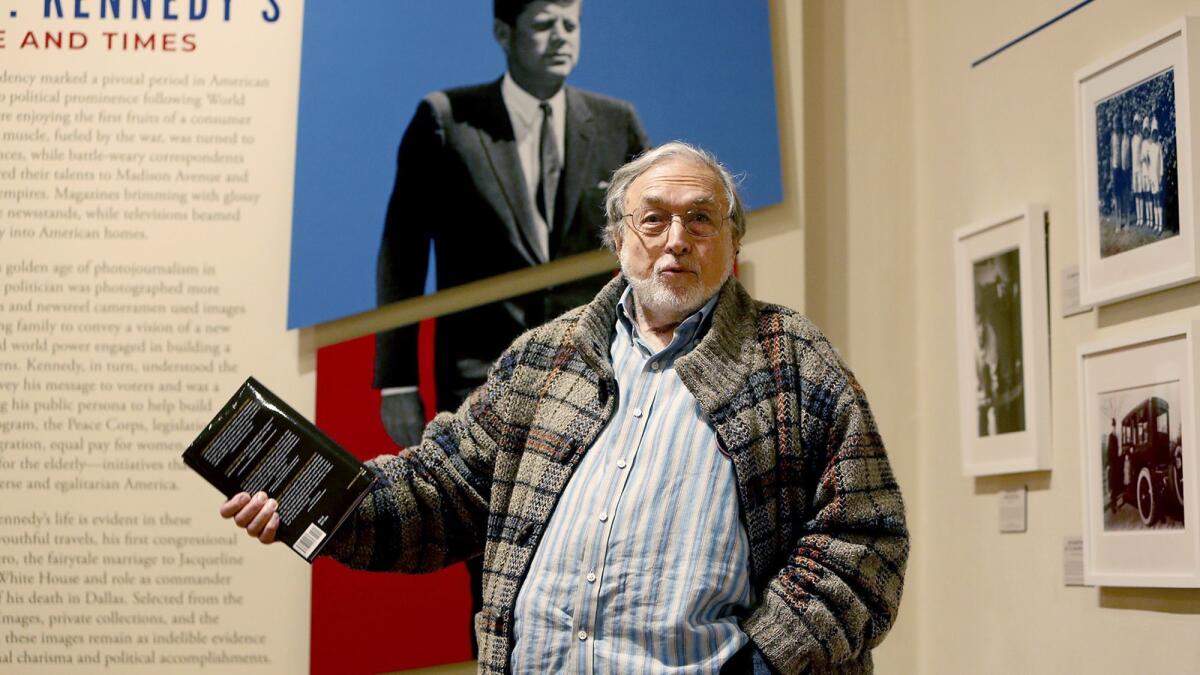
point(503, 34)
point(618, 239)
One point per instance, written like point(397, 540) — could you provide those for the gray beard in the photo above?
point(661, 300)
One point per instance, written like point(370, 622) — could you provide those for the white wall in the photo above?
point(859, 225)
point(907, 142)
point(1013, 140)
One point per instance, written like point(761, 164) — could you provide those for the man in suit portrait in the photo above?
point(496, 176)
point(517, 167)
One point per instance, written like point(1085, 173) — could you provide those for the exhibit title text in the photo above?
point(166, 10)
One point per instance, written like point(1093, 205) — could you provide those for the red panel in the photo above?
point(366, 622)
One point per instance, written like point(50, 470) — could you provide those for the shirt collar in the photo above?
point(526, 107)
point(687, 333)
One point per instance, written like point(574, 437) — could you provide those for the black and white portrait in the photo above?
point(1003, 342)
point(998, 357)
point(1136, 168)
point(1141, 449)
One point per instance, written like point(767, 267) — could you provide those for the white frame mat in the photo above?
point(1149, 357)
point(1021, 230)
point(1171, 261)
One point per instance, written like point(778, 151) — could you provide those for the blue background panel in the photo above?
point(697, 70)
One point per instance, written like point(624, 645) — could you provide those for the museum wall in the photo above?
point(833, 135)
point(890, 140)
point(859, 262)
point(992, 137)
point(905, 142)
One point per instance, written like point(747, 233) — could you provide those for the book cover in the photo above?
point(258, 442)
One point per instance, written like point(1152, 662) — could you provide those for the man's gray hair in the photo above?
point(614, 201)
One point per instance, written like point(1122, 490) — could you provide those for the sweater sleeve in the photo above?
point(429, 507)
point(838, 591)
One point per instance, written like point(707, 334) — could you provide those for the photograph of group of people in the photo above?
point(998, 358)
point(1136, 157)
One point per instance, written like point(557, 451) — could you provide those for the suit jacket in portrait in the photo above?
point(459, 186)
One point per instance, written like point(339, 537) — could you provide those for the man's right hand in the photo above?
point(254, 514)
point(403, 417)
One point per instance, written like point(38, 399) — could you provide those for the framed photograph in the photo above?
point(1137, 401)
point(1003, 343)
point(1136, 181)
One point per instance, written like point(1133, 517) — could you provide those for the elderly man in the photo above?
point(672, 478)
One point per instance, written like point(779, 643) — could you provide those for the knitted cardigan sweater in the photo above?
point(821, 508)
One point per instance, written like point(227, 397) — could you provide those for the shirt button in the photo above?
point(603, 516)
point(582, 635)
point(591, 577)
point(637, 412)
point(655, 366)
point(620, 464)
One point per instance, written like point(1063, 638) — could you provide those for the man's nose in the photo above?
point(678, 238)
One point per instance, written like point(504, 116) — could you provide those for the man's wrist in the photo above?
point(759, 662)
point(394, 391)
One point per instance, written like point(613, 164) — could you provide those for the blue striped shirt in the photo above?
point(644, 565)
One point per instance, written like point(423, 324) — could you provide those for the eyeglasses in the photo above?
point(653, 221)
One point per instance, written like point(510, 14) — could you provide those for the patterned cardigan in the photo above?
point(821, 508)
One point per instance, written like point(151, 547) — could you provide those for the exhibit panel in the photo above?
point(411, 143)
point(425, 618)
point(145, 196)
point(461, 195)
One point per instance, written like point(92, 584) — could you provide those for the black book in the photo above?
point(258, 442)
